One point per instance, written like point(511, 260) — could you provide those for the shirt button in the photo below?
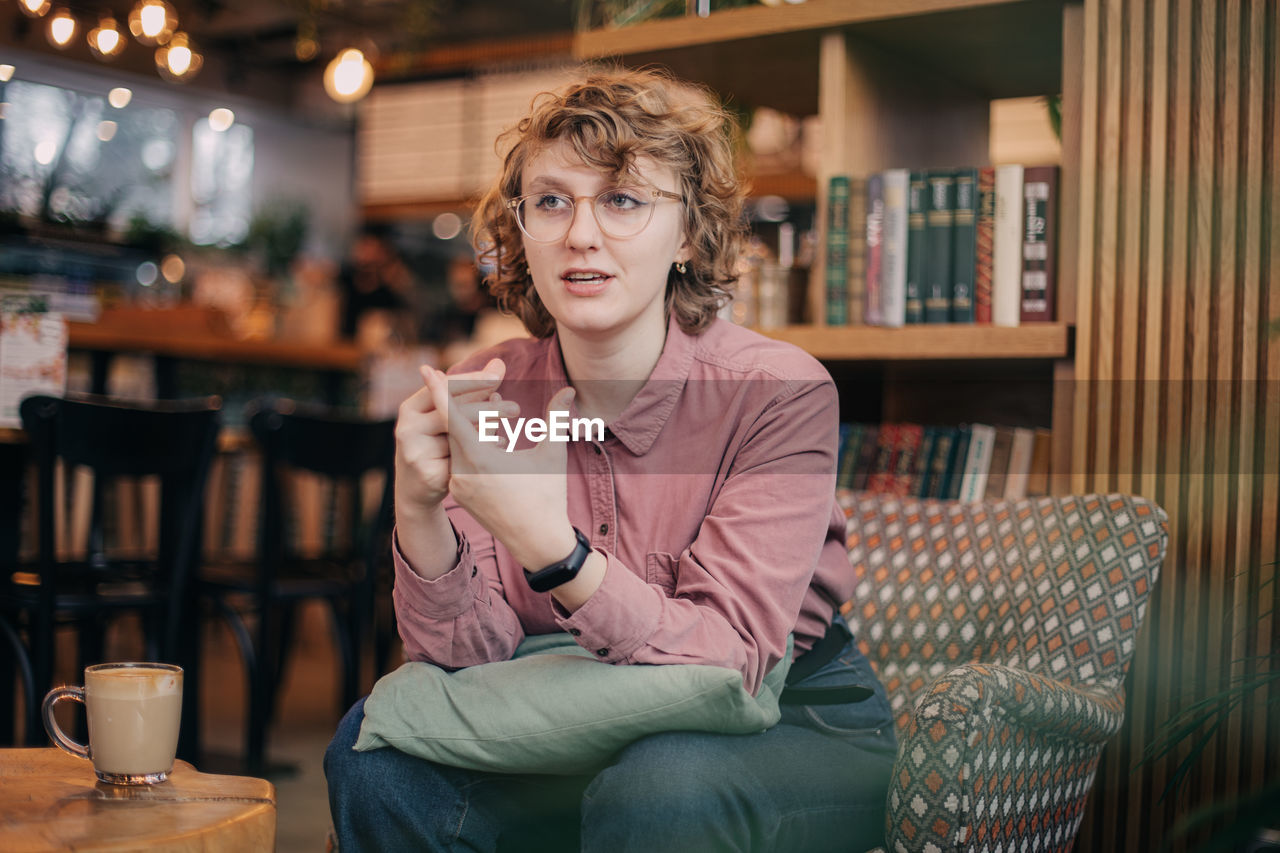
point(473, 571)
point(574, 632)
point(604, 653)
point(604, 528)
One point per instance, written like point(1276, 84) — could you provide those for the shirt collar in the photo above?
point(644, 417)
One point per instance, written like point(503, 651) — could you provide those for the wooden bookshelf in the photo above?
point(931, 342)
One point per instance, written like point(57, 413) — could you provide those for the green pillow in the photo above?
point(554, 708)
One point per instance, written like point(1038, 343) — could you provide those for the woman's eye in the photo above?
point(550, 202)
point(622, 200)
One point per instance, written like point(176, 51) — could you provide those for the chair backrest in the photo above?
point(342, 450)
point(172, 441)
point(1056, 586)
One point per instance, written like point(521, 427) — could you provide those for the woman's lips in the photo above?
point(586, 284)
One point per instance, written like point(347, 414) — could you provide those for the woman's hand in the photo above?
point(520, 497)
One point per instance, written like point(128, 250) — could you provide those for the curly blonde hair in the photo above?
point(610, 117)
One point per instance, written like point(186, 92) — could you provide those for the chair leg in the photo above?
point(346, 635)
point(32, 735)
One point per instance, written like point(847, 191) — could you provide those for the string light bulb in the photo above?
point(348, 77)
point(119, 97)
point(62, 27)
point(6, 73)
point(34, 8)
point(153, 22)
point(178, 60)
point(105, 40)
point(221, 119)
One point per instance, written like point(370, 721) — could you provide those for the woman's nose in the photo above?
point(584, 230)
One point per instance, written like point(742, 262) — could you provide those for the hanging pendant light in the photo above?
point(152, 22)
point(178, 61)
point(62, 28)
point(34, 8)
point(348, 77)
point(105, 40)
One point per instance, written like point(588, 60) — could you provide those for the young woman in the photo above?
point(700, 528)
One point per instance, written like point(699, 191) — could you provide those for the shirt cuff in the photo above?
point(446, 597)
point(618, 618)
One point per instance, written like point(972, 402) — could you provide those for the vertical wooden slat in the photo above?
point(1088, 199)
point(1104, 373)
point(1131, 297)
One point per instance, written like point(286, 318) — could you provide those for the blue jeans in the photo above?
point(816, 781)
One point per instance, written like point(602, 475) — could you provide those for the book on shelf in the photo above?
point(868, 452)
point(880, 476)
point(977, 463)
point(940, 461)
point(964, 246)
point(998, 468)
point(856, 282)
point(1006, 263)
point(917, 205)
point(837, 267)
point(984, 235)
point(959, 454)
point(1041, 460)
point(939, 222)
point(1039, 242)
point(893, 249)
point(1018, 478)
point(905, 477)
point(850, 452)
point(873, 313)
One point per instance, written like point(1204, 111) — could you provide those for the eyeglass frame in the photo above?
point(514, 206)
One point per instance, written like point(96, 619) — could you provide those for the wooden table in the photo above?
point(50, 800)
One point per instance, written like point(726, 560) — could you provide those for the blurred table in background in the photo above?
point(190, 333)
point(50, 800)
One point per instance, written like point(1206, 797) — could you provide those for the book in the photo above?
point(893, 249)
point(917, 204)
point(964, 246)
point(1015, 484)
point(984, 233)
point(1039, 242)
point(1041, 457)
point(977, 462)
point(867, 453)
point(924, 466)
point(874, 311)
point(881, 476)
point(837, 268)
point(1006, 262)
point(939, 222)
point(998, 469)
point(850, 453)
point(955, 465)
point(857, 263)
point(905, 473)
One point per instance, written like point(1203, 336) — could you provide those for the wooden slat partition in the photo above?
point(1177, 393)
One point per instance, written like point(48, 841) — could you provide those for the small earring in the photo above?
point(681, 268)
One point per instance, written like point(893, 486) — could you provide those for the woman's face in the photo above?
point(596, 286)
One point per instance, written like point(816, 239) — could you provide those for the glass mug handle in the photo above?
point(76, 694)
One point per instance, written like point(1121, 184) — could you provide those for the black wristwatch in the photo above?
point(562, 572)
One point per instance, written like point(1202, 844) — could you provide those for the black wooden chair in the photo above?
point(335, 454)
point(85, 584)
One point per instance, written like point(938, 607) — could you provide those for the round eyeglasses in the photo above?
point(621, 212)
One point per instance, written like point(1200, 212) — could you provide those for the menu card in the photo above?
point(33, 359)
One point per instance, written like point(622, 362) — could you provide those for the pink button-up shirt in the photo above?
point(711, 497)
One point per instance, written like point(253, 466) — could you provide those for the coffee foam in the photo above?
point(133, 682)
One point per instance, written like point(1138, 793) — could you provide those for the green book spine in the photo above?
point(837, 277)
point(917, 206)
point(939, 225)
point(850, 453)
point(964, 246)
point(955, 469)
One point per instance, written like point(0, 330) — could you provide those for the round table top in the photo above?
point(50, 800)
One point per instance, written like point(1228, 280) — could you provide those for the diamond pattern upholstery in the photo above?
point(1002, 633)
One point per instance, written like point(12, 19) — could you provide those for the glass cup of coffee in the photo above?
point(133, 711)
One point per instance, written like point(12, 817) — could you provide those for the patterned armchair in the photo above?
point(1002, 633)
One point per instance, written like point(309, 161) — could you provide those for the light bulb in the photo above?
point(152, 21)
point(178, 61)
point(348, 77)
point(105, 40)
point(221, 119)
point(6, 73)
point(119, 97)
point(33, 8)
point(62, 27)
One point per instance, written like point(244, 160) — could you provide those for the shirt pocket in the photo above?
point(660, 570)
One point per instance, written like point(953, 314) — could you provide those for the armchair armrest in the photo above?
point(995, 755)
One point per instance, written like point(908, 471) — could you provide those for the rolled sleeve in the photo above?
point(445, 597)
